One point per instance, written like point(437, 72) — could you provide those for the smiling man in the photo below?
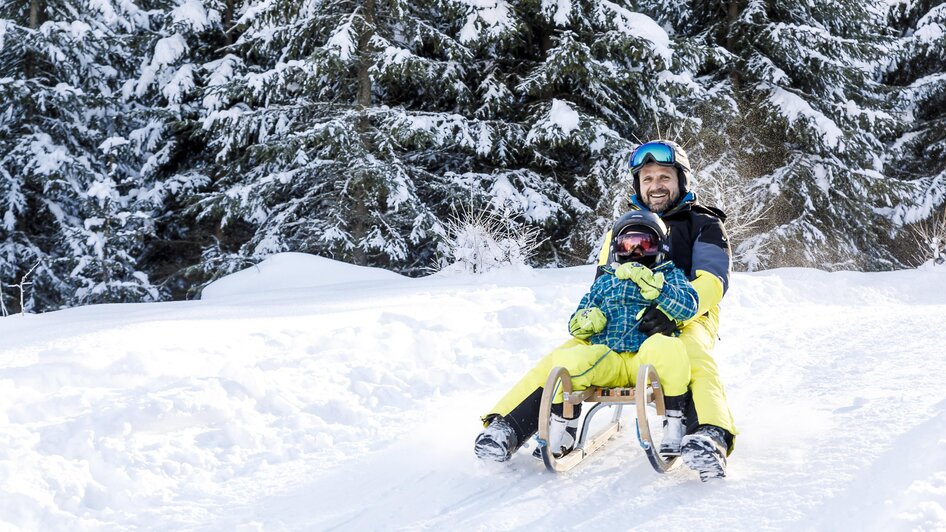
point(659, 186)
point(699, 246)
point(698, 425)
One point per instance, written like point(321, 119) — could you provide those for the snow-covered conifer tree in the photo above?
point(812, 121)
point(61, 131)
point(919, 71)
point(310, 122)
point(178, 59)
point(354, 128)
point(580, 83)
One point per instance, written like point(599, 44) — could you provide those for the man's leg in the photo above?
point(588, 364)
point(713, 432)
point(709, 395)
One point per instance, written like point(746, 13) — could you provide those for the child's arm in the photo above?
point(587, 320)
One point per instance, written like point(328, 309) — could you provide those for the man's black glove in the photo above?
point(654, 321)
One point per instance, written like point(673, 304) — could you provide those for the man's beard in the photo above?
point(662, 204)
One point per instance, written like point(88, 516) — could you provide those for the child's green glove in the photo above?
point(649, 282)
point(587, 322)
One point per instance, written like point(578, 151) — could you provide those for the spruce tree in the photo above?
point(583, 83)
point(310, 123)
point(182, 55)
point(811, 129)
point(918, 70)
point(354, 130)
point(67, 184)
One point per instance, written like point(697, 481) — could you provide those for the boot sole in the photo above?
point(491, 452)
point(704, 458)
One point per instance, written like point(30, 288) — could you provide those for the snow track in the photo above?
point(308, 395)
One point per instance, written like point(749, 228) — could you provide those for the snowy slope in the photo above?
point(309, 395)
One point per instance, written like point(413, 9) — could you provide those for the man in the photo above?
point(700, 247)
point(607, 349)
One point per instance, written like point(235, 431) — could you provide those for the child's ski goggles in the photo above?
point(635, 245)
point(656, 152)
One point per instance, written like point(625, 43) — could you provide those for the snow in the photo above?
point(468, 32)
point(112, 142)
point(929, 27)
point(563, 116)
point(191, 13)
point(102, 190)
point(495, 14)
point(306, 394)
point(168, 50)
point(291, 272)
point(644, 27)
point(343, 40)
point(561, 8)
point(793, 108)
point(180, 84)
point(48, 156)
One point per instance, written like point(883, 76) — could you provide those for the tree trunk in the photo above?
point(731, 41)
point(36, 18)
point(360, 215)
point(228, 21)
point(35, 9)
point(364, 80)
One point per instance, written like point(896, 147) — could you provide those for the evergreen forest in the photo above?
point(148, 147)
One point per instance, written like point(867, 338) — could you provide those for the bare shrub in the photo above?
point(745, 211)
point(930, 239)
point(480, 240)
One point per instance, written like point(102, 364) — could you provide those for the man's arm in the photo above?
point(712, 265)
point(603, 255)
point(678, 299)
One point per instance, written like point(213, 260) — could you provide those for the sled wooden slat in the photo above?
point(602, 395)
point(653, 393)
point(614, 395)
point(557, 376)
point(576, 398)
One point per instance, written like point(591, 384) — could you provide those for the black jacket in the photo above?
point(698, 240)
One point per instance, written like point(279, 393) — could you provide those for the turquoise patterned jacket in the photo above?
point(621, 301)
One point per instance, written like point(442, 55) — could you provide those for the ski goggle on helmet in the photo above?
point(653, 152)
point(635, 244)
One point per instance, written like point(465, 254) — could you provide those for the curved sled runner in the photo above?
point(648, 391)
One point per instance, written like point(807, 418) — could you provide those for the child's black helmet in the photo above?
point(639, 236)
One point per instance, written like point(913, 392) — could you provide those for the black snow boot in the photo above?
point(704, 451)
point(497, 442)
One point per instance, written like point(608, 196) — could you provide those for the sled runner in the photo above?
point(647, 392)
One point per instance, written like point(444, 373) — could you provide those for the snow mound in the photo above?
point(237, 414)
point(841, 288)
point(293, 271)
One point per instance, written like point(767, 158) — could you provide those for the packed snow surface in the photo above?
point(306, 394)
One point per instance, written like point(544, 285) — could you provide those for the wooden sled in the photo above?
point(647, 392)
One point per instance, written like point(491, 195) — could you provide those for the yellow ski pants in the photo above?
point(681, 362)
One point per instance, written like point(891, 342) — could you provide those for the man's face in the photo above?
point(659, 186)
